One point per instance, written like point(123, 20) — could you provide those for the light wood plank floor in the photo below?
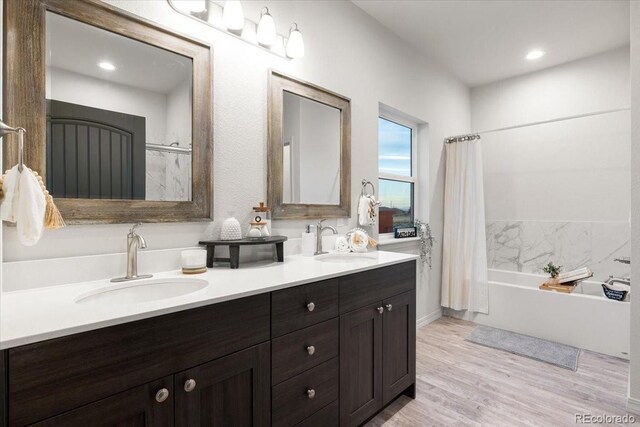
point(465, 384)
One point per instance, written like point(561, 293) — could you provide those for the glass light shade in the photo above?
point(295, 45)
point(232, 15)
point(266, 29)
point(195, 6)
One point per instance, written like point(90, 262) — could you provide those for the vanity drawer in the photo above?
point(361, 289)
point(302, 306)
point(301, 350)
point(329, 416)
point(54, 376)
point(292, 401)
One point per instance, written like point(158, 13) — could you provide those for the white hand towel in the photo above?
point(24, 204)
point(31, 209)
point(10, 186)
point(363, 210)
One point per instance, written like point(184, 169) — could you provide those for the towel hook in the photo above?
point(6, 129)
point(365, 183)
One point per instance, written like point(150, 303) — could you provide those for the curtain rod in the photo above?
point(462, 138)
point(542, 122)
point(168, 148)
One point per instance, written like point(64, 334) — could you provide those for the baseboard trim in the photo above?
point(431, 317)
point(633, 405)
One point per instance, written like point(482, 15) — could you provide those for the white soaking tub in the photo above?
point(584, 319)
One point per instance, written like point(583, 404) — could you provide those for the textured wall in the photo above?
point(347, 52)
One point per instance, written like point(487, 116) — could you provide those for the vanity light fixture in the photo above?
point(535, 54)
point(195, 6)
point(295, 44)
point(228, 17)
point(107, 66)
point(232, 15)
point(266, 28)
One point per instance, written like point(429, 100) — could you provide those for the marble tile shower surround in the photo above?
point(168, 176)
point(527, 246)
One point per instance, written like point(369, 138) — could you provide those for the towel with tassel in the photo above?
point(367, 210)
point(26, 202)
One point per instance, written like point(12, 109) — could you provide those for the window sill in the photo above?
point(388, 241)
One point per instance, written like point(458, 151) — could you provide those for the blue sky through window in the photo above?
point(394, 148)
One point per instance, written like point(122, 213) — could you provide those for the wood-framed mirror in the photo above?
point(309, 150)
point(118, 111)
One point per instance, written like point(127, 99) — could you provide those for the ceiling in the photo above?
point(78, 47)
point(483, 41)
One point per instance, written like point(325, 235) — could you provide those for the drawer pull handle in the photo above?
point(380, 310)
point(311, 306)
point(162, 395)
point(311, 393)
point(389, 307)
point(189, 385)
point(311, 349)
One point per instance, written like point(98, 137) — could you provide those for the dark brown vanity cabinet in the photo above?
point(325, 354)
point(377, 341)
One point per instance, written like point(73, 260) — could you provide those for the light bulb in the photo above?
point(195, 6)
point(295, 45)
point(232, 15)
point(266, 29)
point(535, 54)
point(107, 66)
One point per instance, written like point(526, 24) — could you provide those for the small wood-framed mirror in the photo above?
point(117, 110)
point(309, 150)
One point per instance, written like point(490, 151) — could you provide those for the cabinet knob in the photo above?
point(311, 349)
point(311, 306)
point(311, 393)
point(380, 310)
point(389, 307)
point(189, 385)
point(162, 395)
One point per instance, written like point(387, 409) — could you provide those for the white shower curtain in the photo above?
point(464, 257)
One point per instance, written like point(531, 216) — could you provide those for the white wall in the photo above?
point(347, 52)
point(597, 83)
point(75, 88)
point(634, 374)
point(558, 191)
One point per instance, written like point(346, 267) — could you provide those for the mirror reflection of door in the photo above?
point(119, 119)
point(94, 153)
point(311, 151)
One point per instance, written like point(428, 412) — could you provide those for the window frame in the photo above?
point(413, 179)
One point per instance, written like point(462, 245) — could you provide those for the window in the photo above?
point(396, 172)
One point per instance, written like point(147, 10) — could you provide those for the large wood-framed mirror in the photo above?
point(118, 111)
point(309, 153)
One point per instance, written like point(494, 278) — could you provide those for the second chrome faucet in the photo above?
point(319, 229)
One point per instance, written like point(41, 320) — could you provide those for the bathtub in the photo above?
point(584, 319)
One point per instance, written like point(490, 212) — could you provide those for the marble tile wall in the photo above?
point(527, 246)
point(168, 176)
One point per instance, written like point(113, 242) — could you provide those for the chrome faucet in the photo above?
point(623, 281)
point(134, 242)
point(319, 229)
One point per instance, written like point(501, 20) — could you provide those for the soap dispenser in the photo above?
point(308, 242)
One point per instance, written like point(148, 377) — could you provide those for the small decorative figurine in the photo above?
point(262, 215)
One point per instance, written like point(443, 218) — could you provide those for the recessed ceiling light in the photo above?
point(535, 54)
point(106, 66)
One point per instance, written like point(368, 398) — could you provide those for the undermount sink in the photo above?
point(347, 257)
point(146, 290)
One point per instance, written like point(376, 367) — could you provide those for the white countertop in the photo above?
point(28, 316)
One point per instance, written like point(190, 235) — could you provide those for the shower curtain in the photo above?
point(464, 257)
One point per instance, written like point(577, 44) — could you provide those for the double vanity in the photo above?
point(311, 341)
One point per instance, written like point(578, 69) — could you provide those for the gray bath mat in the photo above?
point(535, 348)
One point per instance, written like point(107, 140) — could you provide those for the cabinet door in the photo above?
point(149, 405)
point(231, 391)
point(399, 344)
point(360, 364)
